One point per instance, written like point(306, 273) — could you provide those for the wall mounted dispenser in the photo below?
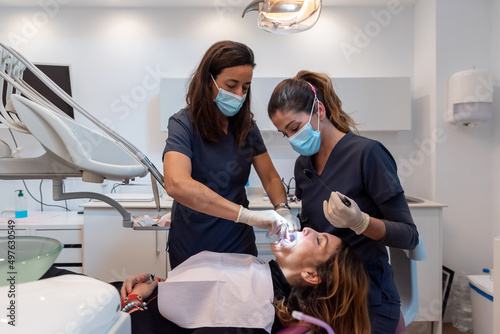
point(470, 97)
point(285, 16)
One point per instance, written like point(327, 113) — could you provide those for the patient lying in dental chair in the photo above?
point(319, 275)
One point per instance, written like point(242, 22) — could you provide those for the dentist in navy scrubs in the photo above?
point(360, 171)
point(212, 144)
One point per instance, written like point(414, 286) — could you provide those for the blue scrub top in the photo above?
point(223, 167)
point(365, 171)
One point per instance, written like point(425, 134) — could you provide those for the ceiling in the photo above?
point(184, 3)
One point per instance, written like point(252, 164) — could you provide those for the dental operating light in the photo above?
point(285, 16)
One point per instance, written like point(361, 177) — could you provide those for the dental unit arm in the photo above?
point(72, 150)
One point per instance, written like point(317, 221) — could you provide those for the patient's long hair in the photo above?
point(340, 299)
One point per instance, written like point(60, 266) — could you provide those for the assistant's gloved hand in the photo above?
point(267, 219)
point(342, 216)
point(293, 221)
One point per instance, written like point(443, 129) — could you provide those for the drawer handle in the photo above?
point(157, 246)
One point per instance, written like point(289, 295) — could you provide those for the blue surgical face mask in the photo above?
point(307, 141)
point(228, 103)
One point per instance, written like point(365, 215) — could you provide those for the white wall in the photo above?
point(118, 54)
point(495, 67)
point(464, 165)
point(422, 162)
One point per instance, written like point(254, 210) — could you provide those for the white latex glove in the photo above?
point(342, 216)
point(293, 221)
point(267, 219)
point(165, 220)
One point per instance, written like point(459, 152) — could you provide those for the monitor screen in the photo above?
point(60, 74)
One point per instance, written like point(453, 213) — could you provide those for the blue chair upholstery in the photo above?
point(405, 276)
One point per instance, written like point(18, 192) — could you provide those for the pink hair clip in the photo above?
point(312, 87)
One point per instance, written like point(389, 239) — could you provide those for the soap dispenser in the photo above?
point(21, 207)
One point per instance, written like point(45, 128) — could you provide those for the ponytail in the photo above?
point(296, 95)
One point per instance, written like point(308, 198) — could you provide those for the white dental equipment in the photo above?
point(285, 16)
point(64, 304)
point(72, 150)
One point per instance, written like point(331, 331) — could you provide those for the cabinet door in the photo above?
point(19, 232)
point(113, 252)
point(71, 257)
point(172, 98)
point(377, 104)
point(262, 88)
point(429, 271)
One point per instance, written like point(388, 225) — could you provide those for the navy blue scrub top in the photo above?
point(365, 171)
point(223, 167)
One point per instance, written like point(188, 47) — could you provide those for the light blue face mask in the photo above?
point(228, 103)
point(307, 141)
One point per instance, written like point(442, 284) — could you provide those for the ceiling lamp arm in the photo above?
point(254, 5)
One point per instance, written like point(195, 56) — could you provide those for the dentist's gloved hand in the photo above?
point(292, 221)
point(267, 219)
point(342, 216)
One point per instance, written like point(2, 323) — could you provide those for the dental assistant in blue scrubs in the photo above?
point(212, 144)
point(359, 170)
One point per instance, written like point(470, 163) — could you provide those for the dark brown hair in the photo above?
point(207, 119)
point(296, 95)
point(340, 299)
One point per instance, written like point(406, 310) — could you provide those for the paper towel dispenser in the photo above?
point(470, 97)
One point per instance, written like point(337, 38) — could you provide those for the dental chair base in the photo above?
point(63, 304)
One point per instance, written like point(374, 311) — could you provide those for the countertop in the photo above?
point(56, 219)
point(256, 202)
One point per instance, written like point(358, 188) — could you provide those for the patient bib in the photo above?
point(218, 290)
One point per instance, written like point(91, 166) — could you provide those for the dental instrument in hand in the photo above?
point(287, 238)
point(310, 175)
point(156, 195)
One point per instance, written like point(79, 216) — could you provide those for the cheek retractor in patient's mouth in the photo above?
point(288, 239)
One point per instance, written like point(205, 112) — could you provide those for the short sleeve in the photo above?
point(257, 142)
point(180, 134)
point(380, 173)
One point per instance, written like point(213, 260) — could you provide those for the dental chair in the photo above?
point(67, 303)
point(404, 264)
point(71, 149)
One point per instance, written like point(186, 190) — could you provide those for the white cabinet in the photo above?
point(67, 227)
point(113, 252)
point(376, 104)
point(21, 231)
point(430, 271)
